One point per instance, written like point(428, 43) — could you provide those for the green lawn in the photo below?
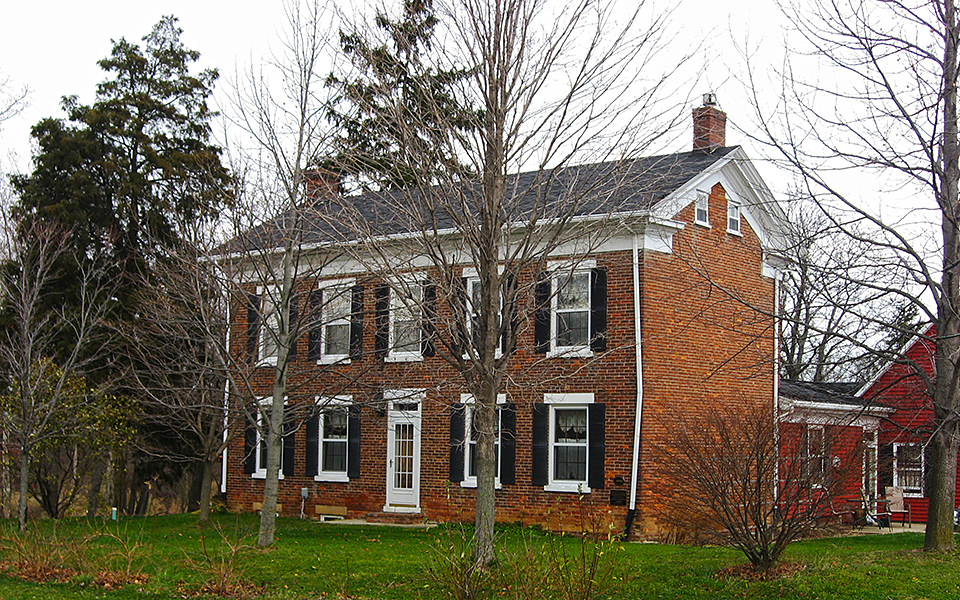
point(312, 560)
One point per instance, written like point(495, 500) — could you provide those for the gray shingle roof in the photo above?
point(822, 392)
point(582, 190)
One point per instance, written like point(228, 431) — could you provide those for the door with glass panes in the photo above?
point(403, 455)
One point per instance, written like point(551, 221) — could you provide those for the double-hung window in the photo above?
point(571, 317)
point(702, 209)
point(333, 439)
point(263, 325)
point(908, 468)
point(256, 451)
point(405, 320)
point(473, 306)
point(733, 217)
point(568, 443)
point(814, 455)
point(269, 327)
point(463, 442)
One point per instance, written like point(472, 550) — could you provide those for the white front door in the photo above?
point(403, 455)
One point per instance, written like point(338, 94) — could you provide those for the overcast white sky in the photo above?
point(53, 46)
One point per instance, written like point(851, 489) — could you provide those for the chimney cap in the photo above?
point(709, 99)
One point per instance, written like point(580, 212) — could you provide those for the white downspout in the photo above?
point(638, 417)
point(776, 381)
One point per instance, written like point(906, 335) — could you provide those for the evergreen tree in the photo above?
point(393, 110)
point(125, 176)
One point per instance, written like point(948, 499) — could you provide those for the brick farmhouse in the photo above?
point(672, 315)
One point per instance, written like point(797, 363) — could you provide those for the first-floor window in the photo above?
point(256, 450)
point(463, 442)
point(908, 468)
point(471, 441)
point(568, 443)
point(333, 440)
point(814, 456)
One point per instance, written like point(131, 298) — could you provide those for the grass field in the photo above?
point(169, 557)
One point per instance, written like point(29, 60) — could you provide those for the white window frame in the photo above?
point(468, 402)
point(567, 402)
point(324, 404)
point(398, 303)
point(472, 277)
point(344, 288)
point(260, 470)
point(702, 205)
point(562, 273)
point(816, 456)
point(908, 491)
point(871, 458)
point(269, 326)
point(734, 217)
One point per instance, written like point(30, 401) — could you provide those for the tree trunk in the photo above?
point(206, 482)
point(943, 443)
point(485, 415)
point(96, 483)
point(24, 482)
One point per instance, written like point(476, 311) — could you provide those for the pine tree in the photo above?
point(397, 104)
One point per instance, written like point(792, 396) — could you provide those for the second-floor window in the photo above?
point(571, 317)
point(405, 320)
point(336, 328)
point(263, 325)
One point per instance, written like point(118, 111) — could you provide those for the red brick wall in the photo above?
point(707, 337)
point(701, 347)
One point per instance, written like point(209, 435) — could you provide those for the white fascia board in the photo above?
point(741, 181)
point(827, 413)
point(902, 352)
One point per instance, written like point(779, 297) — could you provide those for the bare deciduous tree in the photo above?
point(733, 483)
point(45, 350)
point(554, 86)
point(890, 109)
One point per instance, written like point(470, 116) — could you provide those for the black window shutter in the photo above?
point(427, 347)
point(541, 444)
point(382, 337)
point(353, 441)
point(288, 455)
point(596, 423)
point(293, 325)
point(312, 457)
point(508, 284)
point(315, 337)
point(460, 326)
point(379, 404)
point(508, 444)
point(457, 436)
point(250, 449)
point(356, 323)
point(541, 323)
point(598, 309)
point(253, 326)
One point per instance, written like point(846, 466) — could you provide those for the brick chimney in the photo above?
point(709, 125)
point(322, 184)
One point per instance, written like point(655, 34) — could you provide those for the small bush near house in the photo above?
point(731, 483)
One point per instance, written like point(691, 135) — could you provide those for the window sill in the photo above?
point(334, 360)
point(263, 475)
point(567, 487)
point(396, 358)
point(703, 224)
point(472, 484)
point(270, 361)
point(736, 233)
point(332, 478)
point(571, 352)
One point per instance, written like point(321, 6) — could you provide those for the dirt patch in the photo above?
point(112, 580)
point(41, 573)
point(747, 573)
